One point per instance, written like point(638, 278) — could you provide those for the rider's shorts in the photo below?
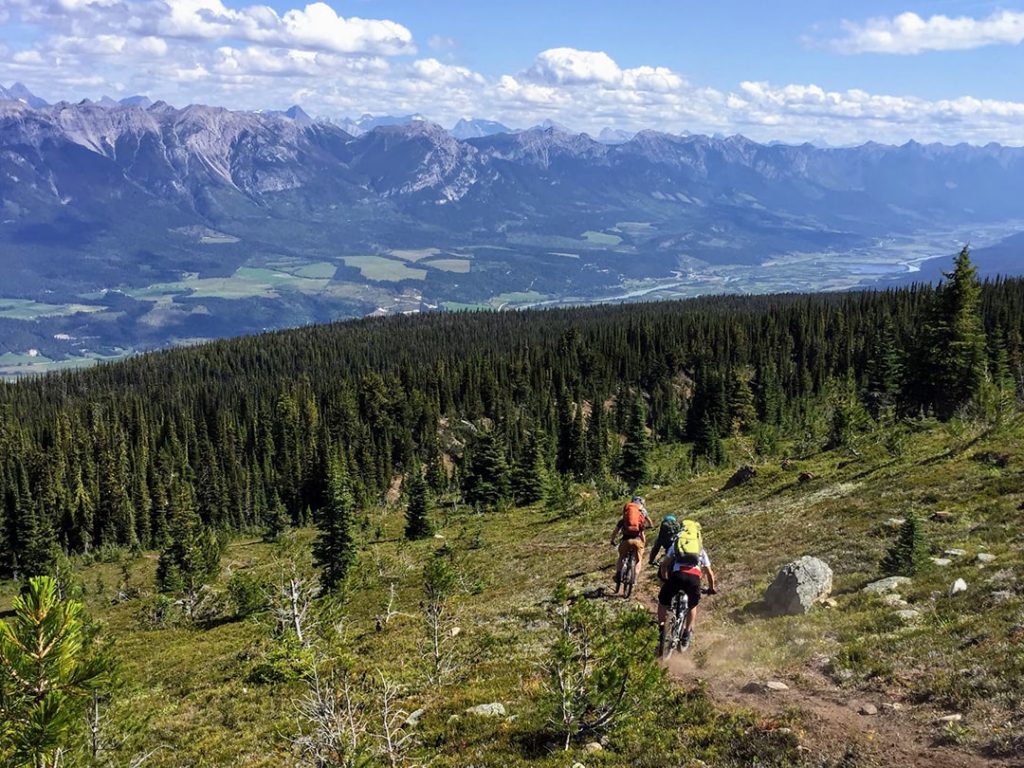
point(680, 582)
point(632, 545)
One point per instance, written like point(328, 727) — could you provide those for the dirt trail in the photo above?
point(830, 719)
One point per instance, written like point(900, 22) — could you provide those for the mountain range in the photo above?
point(145, 224)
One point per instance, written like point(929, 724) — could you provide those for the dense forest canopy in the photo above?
point(483, 404)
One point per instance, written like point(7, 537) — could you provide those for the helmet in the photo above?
point(670, 518)
point(638, 500)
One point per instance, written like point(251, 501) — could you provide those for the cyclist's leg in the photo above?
point(638, 547)
point(623, 554)
point(668, 591)
point(691, 585)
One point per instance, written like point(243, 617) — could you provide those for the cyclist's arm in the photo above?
point(710, 576)
point(615, 533)
point(666, 567)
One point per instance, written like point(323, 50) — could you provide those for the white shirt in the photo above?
point(702, 559)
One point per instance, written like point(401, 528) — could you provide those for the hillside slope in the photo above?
point(223, 693)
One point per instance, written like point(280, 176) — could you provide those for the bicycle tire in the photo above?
point(629, 575)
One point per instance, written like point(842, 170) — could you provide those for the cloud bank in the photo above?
point(253, 57)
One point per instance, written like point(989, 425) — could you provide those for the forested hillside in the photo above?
point(384, 542)
point(488, 404)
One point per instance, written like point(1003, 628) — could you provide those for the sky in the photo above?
point(789, 70)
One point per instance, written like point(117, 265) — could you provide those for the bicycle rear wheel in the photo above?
point(629, 575)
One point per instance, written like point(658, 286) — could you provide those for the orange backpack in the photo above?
point(632, 519)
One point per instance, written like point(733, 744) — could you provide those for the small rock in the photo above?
point(776, 685)
point(455, 631)
point(495, 709)
point(744, 474)
point(769, 687)
point(942, 517)
point(909, 615)
point(942, 562)
point(1016, 633)
point(957, 586)
point(955, 718)
point(985, 557)
point(438, 536)
point(955, 552)
point(414, 718)
point(890, 584)
point(578, 765)
point(868, 709)
point(805, 477)
point(830, 602)
point(799, 585)
point(894, 600)
point(893, 706)
point(894, 522)
point(593, 746)
point(1002, 595)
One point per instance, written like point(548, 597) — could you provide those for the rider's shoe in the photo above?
point(685, 642)
point(618, 583)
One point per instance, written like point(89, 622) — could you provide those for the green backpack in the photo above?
point(690, 541)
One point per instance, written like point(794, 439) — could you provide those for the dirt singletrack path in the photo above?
point(831, 725)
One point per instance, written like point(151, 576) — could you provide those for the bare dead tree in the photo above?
point(290, 604)
point(395, 737)
point(332, 723)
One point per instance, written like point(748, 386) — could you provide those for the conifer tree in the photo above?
point(634, 466)
point(38, 543)
point(334, 550)
point(277, 520)
point(742, 412)
point(47, 673)
point(885, 370)
point(955, 354)
point(417, 520)
point(486, 480)
point(597, 440)
point(530, 478)
point(191, 557)
point(708, 445)
point(909, 554)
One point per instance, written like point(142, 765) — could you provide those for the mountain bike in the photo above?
point(629, 575)
point(671, 639)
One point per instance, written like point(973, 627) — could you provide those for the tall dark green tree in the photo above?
point(955, 354)
point(530, 477)
point(634, 465)
point(417, 513)
point(486, 479)
point(707, 444)
point(909, 553)
point(334, 550)
point(192, 555)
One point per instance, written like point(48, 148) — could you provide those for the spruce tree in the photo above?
point(38, 544)
point(191, 557)
point(955, 354)
point(530, 478)
point(742, 412)
point(634, 466)
point(277, 520)
point(909, 554)
point(334, 550)
point(417, 521)
point(707, 444)
point(486, 480)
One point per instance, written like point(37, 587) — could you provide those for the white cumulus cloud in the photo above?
point(909, 33)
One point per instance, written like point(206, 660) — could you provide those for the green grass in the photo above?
point(383, 269)
point(600, 238)
point(459, 266)
point(26, 309)
point(517, 297)
point(414, 254)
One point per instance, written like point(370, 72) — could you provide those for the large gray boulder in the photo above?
point(798, 586)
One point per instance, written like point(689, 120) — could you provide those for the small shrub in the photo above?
point(909, 554)
point(246, 594)
point(285, 661)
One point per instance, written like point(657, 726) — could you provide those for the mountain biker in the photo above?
point(666, 535)
point(632, 524)
point(681, 572)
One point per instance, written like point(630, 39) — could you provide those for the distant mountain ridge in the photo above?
point(109, 200)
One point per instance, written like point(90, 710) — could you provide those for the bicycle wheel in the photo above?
point(680, 608)
point(629, 575)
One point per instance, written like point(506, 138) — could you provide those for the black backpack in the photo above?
point(668, 531)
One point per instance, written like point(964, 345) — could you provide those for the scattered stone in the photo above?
point(1016, 633)
point(894, 600)
point(941, 562)
point(578, 765)
point(1002, 596)
point(805, 477)
point(955, 718)
point(909, 615)
point(895, 522)
point(455, 631)
point(893, 706)
point(868, 709)
point(985, 557)
point(957, 586)
point(1001, 576)
point(890, 584)
point(495, 709)
point(439, 536)
point(942, 517)
point(744, 474)
point(830, 602)
point(799, 585)
point(955, 552)
point(414, 719)
point(593, 746)
point(772, 686)
point(786, 464)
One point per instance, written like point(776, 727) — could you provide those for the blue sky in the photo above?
point(793, 70)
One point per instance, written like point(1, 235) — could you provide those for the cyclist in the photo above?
point(632, 524)
point(681, 571)
point(666, 535)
